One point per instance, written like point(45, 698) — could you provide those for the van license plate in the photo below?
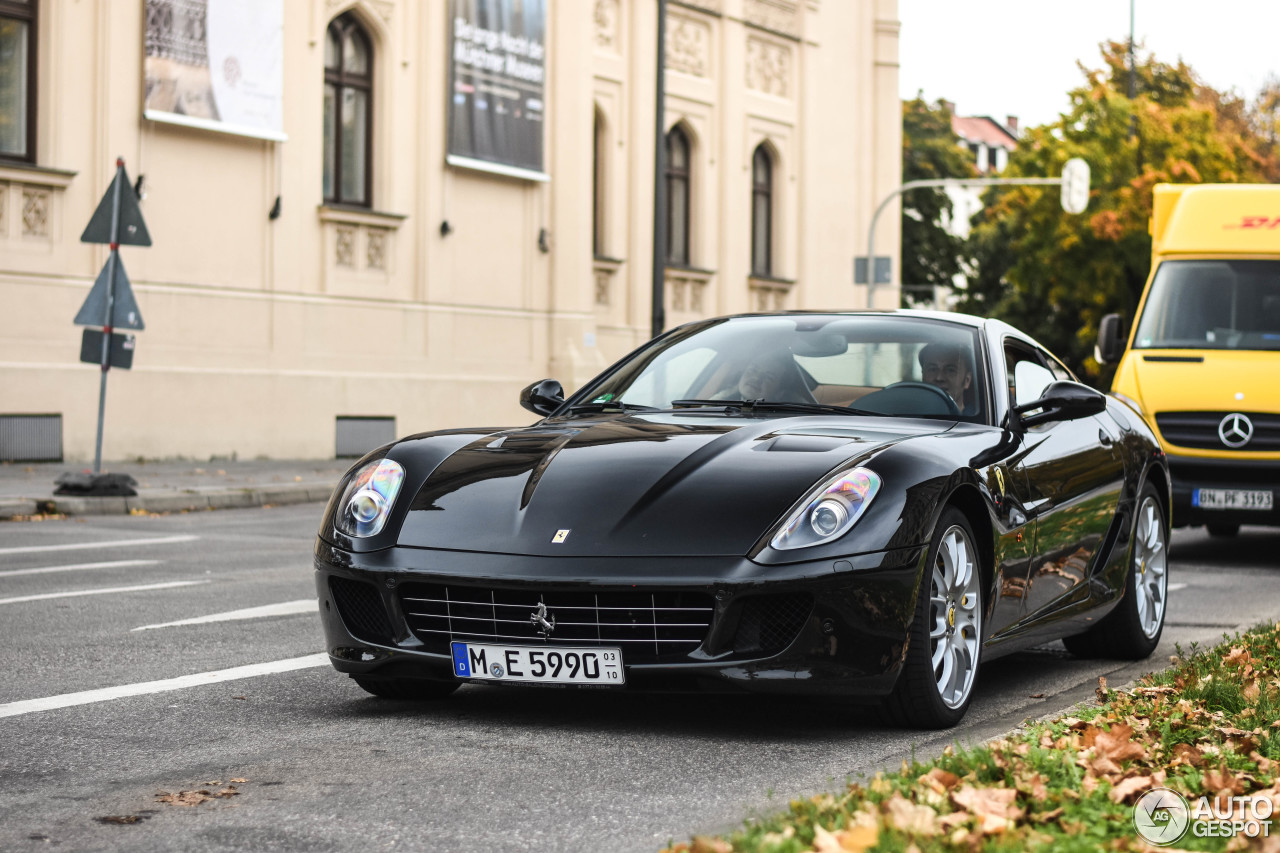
point(1231, 499)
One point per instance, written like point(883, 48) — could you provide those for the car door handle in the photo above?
point(1104, 438)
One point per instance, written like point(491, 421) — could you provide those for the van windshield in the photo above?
point(1212, 305)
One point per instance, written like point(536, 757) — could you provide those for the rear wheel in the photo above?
point(406, 688)
point(1223, 530)
point(1132, 630)
point(945, 644)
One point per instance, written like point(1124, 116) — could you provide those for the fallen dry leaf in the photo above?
point(703, 844)
point(1127, 788)
point(909, 817)
point(1101, 690)
point(121, 819)
point(1033, 695)
point(993, 807)
point(1117, 745)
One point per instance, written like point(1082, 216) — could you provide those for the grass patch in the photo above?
point(1209, 726)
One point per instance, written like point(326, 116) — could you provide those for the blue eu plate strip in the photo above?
point(461, 666)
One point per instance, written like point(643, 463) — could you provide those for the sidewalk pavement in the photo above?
point(26, 488)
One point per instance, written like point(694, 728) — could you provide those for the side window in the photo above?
point(1028, 378)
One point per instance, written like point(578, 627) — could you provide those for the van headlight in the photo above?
point(368, 497)
point(829, 511)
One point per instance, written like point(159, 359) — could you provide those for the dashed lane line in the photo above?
point(105, 591)
point(287, 608)
point(105, 694)
point(111, 543)
point(117, 564)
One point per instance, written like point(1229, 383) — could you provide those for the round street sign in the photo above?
point(1075, 185)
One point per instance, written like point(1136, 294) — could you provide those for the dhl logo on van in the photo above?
point(1257, 222)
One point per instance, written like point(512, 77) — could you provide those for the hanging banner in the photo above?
point(217, 65)
point(497, 86)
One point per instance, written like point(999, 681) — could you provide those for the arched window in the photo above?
point(348, 108)
point(678, 170)
point(761, 212)
point(597, 188)
point(18, 80)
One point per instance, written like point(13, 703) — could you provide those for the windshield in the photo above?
point(1212, 305)
point(879, 364)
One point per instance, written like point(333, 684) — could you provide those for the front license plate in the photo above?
point(540, 665)
point(1231, 499)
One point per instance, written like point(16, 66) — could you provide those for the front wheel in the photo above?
point(1132, 630)
point(941, 667)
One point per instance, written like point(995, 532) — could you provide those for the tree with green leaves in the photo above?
point(931, 255)
point(1055, 275)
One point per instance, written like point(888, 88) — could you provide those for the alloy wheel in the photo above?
point(955, 617)
point(1151, 580)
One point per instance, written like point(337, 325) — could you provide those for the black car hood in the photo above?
point(636, 485)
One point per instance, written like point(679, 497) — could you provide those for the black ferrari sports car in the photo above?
point(866, 505)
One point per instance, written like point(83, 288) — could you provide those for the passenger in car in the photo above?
point(949, 367)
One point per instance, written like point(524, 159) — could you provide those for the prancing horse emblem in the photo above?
point(539, 618)
point(560, 536)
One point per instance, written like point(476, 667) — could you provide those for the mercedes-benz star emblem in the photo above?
point(539, 618)
point(1236, 430)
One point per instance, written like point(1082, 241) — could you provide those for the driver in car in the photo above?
point(761, 379)
point(946, 366)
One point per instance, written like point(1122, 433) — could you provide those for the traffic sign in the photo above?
point(124, 309)
point(1075, 185)
point(132, 230)
point(119, 354)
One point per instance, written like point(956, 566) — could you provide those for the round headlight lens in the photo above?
point(365, 506)
point(826, 517)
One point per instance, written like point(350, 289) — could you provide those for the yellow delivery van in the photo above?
point(1202, 360)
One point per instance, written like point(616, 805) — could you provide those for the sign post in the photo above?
point(1075, 198)
point(110, 304)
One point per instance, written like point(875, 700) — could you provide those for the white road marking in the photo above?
point(80, 546)
point(106, 591)
point(118, 564)
point(1174, 586)
point(66, 700)
point(287, 608)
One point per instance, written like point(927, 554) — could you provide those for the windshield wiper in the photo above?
point(770, 405)
point(611, 406)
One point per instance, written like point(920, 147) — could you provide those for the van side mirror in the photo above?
point(1062, 401)
point(542, 398)
point(1112, 337)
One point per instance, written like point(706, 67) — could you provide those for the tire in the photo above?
point(1223, 531)
point(406, 688)
point(1132, 630)
point(945, 643)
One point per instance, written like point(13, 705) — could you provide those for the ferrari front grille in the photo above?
point(649, 627)
point(1201, 430)
point(361, 609)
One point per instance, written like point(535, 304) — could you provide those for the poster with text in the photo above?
point(216, 64)
point(497, 86)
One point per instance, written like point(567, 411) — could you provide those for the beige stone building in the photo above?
point(343, 277)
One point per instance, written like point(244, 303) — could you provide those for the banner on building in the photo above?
point(217, 65)
point(497, 86)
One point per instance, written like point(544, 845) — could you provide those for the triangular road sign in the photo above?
point(124, 310)
point(133, 231)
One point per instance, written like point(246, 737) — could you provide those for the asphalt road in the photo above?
point(492, 769)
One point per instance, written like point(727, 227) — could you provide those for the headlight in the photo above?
point(829, 511)
point(367, 500)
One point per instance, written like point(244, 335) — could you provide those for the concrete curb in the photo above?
point(185, 501)
point(10, 507)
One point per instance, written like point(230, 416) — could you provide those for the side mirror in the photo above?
point(542, 398)
point(1112, 336)
point(1062, 401)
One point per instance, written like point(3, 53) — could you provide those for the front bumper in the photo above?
point(1192, 473)
point(830, 628)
